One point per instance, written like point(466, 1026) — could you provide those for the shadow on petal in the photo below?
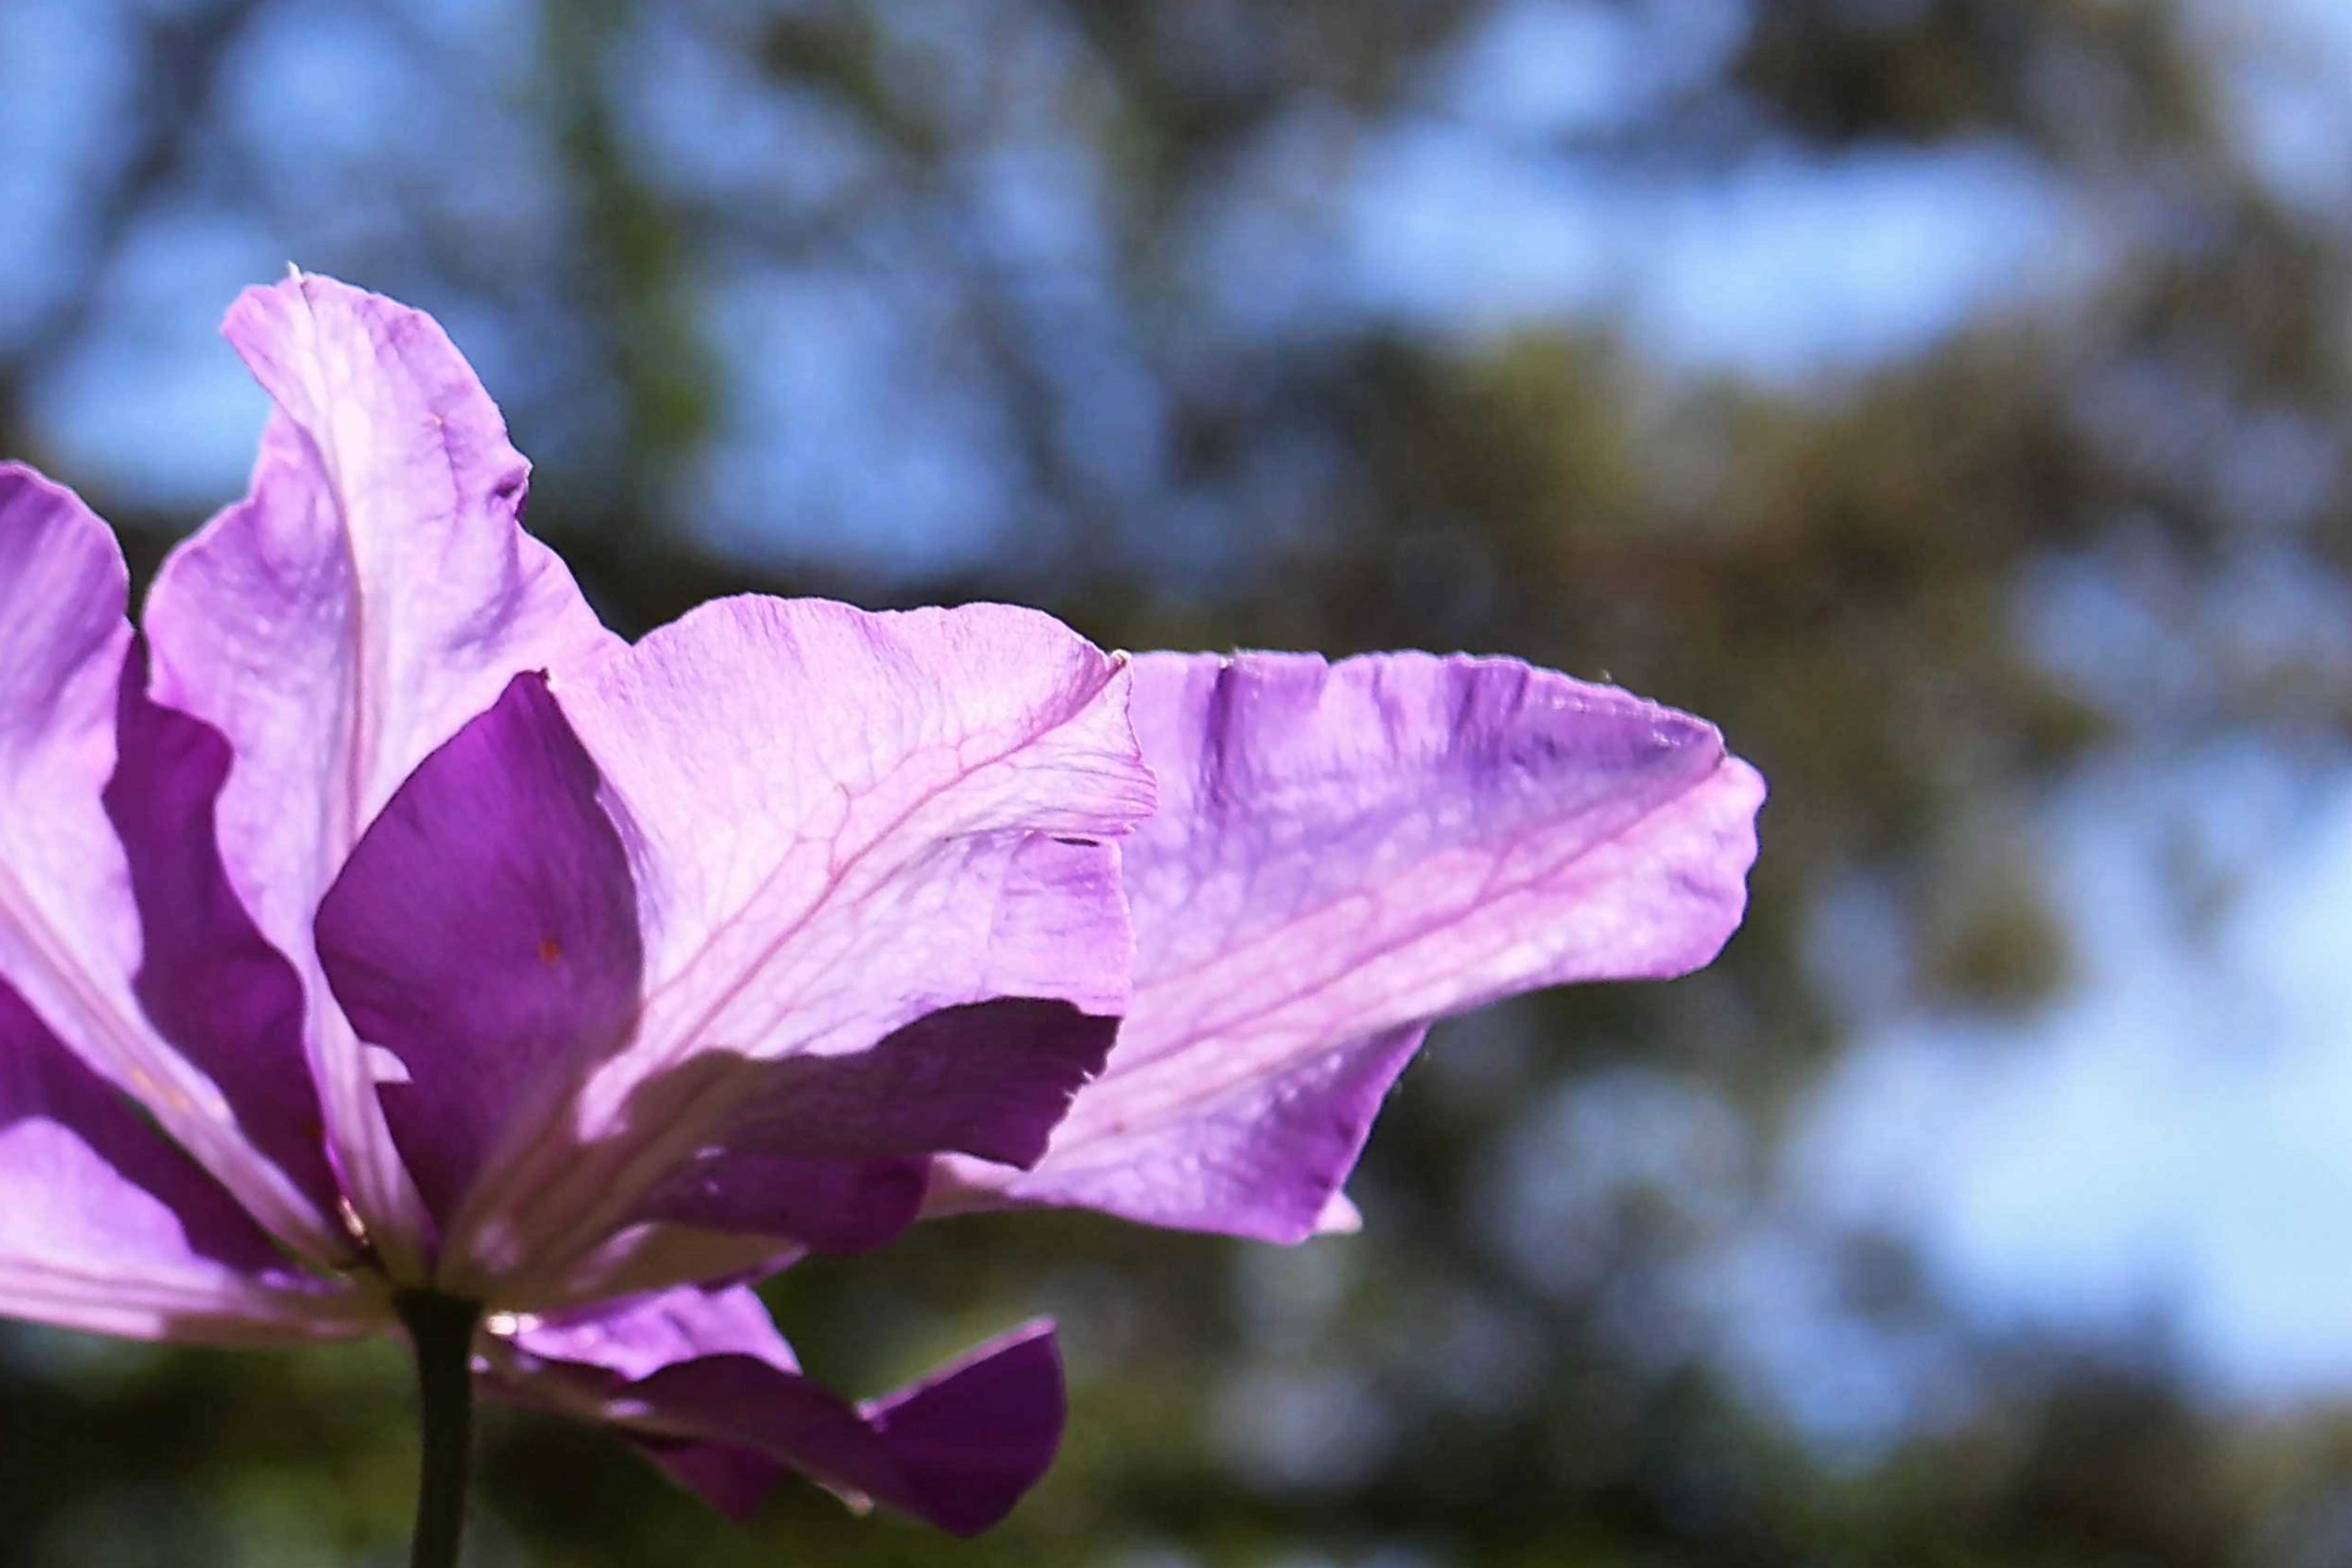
point(209, 981)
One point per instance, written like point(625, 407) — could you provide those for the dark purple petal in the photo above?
point(959, 1448)
point(735, 1481)
point(106, 1227)
point(209, 981)
point(1342, 855)
point(485, 933)
point(974, 1437)
point(572, 1365)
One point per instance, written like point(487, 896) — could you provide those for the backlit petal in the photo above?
point(106, 1227)
point(209, 982)
point(838, 822)
point(372, 594)
point(1342, 855)
point(71, 941)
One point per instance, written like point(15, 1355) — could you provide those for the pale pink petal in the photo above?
point(1342, 855)
point(70, 932)
point(372, 595)
point(105, 1227)
point(838, 822)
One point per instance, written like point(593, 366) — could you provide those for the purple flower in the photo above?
point(578, 1013)
point(456, 952)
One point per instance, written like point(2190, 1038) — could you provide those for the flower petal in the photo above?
point(988, 1078)
point(974, 1437)
point(372, 594)
point(643, 1337)
point(573, 1367)
point(486, 933)
point(1343, 854)
point(834, 1151)
point(208, 980)
point(735, 1481)
point(838, 822)
point(71, 915)
point(828, 1205)
point(105, 1227)
point(705, 1384)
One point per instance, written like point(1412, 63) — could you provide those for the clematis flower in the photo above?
point(347, 981)
point(385, 947)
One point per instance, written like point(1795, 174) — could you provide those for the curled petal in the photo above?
point(703, 1383)
point(987, 1079)
point(834, 1151)
point(838, 822)
point(106, 1227)
point(72, 944)
point(1342, 855)
point(373, 593)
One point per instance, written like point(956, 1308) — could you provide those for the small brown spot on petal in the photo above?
point(551, 951)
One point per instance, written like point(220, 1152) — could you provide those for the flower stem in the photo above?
point(442, 1328)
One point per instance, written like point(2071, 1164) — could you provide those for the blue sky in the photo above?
point(2166, 1144)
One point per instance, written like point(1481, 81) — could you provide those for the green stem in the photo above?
point(442, 1327)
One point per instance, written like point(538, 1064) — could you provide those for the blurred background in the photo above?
point(1948, 396)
